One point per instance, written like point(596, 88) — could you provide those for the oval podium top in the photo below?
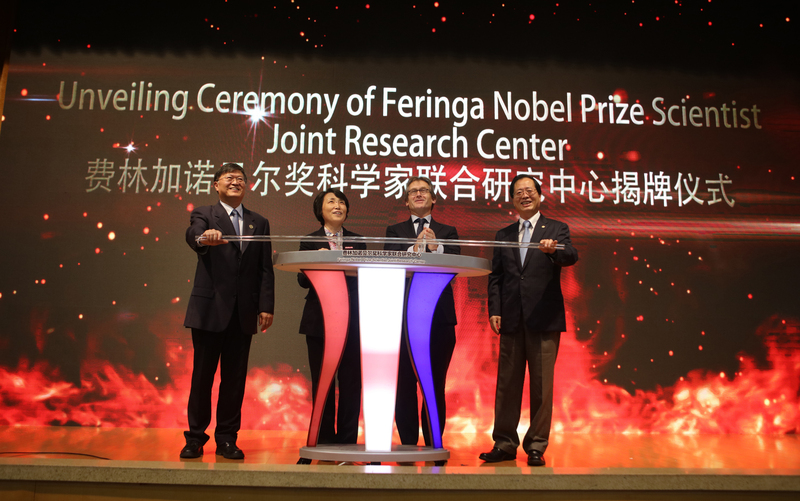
point(412, 262)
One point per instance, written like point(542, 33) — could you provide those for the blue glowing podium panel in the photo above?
point(423, 294)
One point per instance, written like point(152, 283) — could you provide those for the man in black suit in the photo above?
point(526, 308)
point(420, 200)
point(233, 296)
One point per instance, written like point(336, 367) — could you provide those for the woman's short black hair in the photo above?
point(321, 198)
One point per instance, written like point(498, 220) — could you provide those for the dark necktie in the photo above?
point(420, 222)
point(421, 226)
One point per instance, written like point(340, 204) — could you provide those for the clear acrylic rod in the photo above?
point(376, 240)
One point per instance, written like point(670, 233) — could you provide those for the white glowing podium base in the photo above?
point(382, 292)
point(359, 453)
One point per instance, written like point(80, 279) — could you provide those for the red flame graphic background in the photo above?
point(753, 400)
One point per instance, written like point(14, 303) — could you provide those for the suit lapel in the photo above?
point(248, 226)
point(347, 245)
point(538, 231)
point(436, 227)
point(223, 220)
point(318, 245)
point(511, 234)
point(323, 245)
point(408, 228)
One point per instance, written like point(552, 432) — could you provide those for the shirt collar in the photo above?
point(534, 219)
point(229, 209)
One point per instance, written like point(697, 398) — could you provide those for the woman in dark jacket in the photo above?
point(331, 208)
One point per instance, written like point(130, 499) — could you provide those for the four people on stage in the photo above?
point(234, 293)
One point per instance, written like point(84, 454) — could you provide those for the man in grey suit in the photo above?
point(526, 307)
point(420, 200)
point(233, 296)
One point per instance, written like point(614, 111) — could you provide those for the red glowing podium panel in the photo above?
point(383, 297)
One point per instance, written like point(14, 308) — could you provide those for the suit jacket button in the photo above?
point(522, 277)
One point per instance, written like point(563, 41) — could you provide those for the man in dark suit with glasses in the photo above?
point(526, 308)
point(232, 298)
point(420, 200)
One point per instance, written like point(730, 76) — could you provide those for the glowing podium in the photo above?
point(384, 299)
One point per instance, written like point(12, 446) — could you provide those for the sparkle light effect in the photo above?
point(129, 148)
point(258, 115)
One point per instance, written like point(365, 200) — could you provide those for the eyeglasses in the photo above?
point(421, 191)
point(528, 191)
point(233, 179)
